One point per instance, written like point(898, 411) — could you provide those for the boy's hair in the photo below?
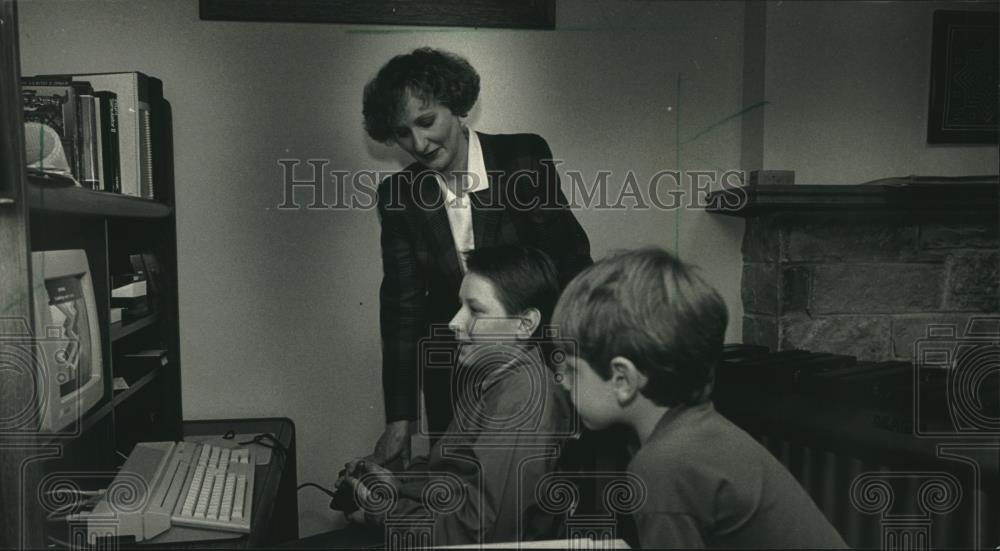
point(524, 278)
point(649, 307)
point(426, 73)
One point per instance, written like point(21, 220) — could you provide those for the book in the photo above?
point(109, 141)
point(49, 90)
point(135, 151)
point(100, 145)
point(89, 149)
point(145, 155)
point(55, 106)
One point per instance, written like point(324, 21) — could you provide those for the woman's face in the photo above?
point(432, 134)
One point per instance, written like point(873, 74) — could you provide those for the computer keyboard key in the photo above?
point(243, 456)
point(227, 497)
point(216, 500)
point(239, 498)
point(202, 506)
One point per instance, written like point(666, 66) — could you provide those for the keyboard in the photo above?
point(176, 484)
point(217, 490)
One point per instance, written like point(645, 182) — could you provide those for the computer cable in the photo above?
point(318, 487)
point(340, 500)
point(89, 496)
point(265, 439)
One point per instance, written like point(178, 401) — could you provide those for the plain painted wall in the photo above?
point(849, 88)
point(278, 309)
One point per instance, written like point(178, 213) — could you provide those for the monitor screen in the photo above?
point(68, 337)
point(69, 316)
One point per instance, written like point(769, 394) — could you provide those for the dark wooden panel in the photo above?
point(22, 522)
point(11, 149)
point(515, 14)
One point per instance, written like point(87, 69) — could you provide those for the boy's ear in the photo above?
point(626, 379)
point(530, 320)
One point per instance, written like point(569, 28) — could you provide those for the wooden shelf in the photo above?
point(121, 331)
point(121, 395)
point(47, 197)
point(104, 408)
point(95, 415)
point(943, 198)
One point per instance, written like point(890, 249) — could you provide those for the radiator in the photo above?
point(901, 507)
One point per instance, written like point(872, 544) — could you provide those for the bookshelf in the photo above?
point(36, 215)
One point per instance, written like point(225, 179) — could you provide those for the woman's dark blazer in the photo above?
point(524, 205)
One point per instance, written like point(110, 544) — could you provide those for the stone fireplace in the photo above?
point(866, 279)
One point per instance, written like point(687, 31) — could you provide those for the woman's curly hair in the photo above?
point(428, 74)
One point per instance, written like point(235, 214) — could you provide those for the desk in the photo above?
point(275, 503)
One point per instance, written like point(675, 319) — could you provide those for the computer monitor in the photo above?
point(68, 336)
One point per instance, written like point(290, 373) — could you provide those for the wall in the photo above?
point(278, 309)
point(848, 86)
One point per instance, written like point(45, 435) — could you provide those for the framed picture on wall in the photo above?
point(511, 14)
point(964, 68)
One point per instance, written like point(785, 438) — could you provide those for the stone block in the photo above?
point(795, 287)
point(973, 282)
point(871, 289)
point(906, 330)
point(966, 234)
point(760, 288)
point(865, 337)
point(761, 330)
point(850, 239)
point(760, 240)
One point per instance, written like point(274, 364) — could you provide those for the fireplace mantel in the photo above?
point(904, 195)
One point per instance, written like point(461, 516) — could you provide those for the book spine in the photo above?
point(109, 141)
point(88, 142)
point(47, 80)
point(145, 154)
point(115, 135)
point(98, 137)
point(80, 89)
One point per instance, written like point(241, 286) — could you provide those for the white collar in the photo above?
point(475, 168)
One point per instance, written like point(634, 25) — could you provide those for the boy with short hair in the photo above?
point(648, 333)
point(511, 415)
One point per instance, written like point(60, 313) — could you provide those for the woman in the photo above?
point(464, 190)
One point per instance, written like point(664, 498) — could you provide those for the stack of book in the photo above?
point(103, 126)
